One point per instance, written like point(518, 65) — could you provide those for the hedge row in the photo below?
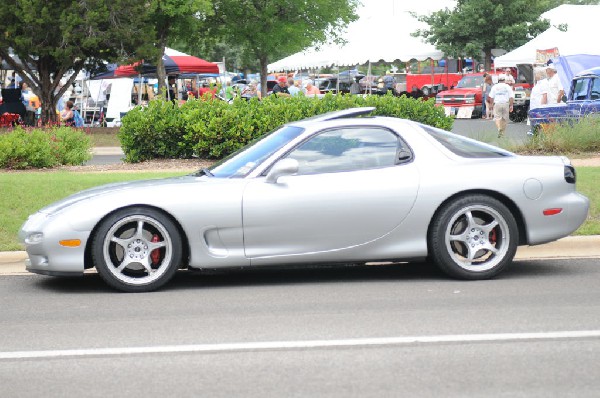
point(214, 129)
point(24, 148)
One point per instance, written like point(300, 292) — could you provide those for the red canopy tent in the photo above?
point(175, 62)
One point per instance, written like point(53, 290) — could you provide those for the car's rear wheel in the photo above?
point(473, 237)
point(137, 249)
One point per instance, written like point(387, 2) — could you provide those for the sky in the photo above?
point(375, 7)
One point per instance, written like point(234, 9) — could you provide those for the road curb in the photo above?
point(569, 247)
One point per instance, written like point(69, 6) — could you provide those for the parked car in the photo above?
point(332, 85)
point(464, 101)
point(584, 99)
point(329, 189)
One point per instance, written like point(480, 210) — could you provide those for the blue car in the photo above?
point(584, 99)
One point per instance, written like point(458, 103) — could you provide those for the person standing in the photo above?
point(539, 93)
point(293, 87)
point(172, 89)
point(555, 88)
point(485, 92)
point(502, 97)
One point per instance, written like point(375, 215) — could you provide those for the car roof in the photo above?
point(341, 114)
point(593, 72)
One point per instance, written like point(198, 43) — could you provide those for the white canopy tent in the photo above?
point(371, 38)
point(578, 39)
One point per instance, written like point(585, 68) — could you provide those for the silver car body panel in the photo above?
point(365, 215)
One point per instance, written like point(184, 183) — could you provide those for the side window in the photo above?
point(580, 89)
point(347, 149)
point(595, 93)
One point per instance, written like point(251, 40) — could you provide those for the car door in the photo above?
point(579, 97)
point(354, 185)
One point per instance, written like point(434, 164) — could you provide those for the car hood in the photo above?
point(110, 188)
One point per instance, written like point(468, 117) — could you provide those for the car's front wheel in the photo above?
point(137, 249)
point(473, 237)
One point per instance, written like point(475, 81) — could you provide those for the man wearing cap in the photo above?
point(281, 89)
point(502, 98)
point(555, 88)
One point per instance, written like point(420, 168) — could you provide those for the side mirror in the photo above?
point(284, 167)
point(404, 155)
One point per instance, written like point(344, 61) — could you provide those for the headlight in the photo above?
point(470, 99)
point(439, 100)
point(34, 237)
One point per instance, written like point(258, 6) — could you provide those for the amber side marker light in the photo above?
point(70, 242)
point(552, 212)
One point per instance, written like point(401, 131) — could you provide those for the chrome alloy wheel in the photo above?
point(137, 250)
point(477, 238)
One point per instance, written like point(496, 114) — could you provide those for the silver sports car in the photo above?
point(335, 188)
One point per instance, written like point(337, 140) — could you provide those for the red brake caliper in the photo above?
point(493, 236)
point(155, 255)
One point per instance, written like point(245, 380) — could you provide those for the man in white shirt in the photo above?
point(555, 88)
point(502, 97)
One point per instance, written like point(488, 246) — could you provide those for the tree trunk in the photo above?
point(487, 62)
point(160, 65)
point(263, 75)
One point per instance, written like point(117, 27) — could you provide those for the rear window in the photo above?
point(465, 147)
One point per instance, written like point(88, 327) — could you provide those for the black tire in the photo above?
point(473, 237)
point(137, 249)
point(426, 90)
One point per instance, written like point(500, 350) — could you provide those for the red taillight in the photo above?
point(552, 212)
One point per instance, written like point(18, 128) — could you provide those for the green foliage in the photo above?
point(214, 129)
point(153, 132)
point(474, 26)
point(40, 148)
point(56, 39)
point(272, 29)
point(573, 138)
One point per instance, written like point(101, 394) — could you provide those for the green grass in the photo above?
point(103, 137)
point(22, 194)
point(587, 184)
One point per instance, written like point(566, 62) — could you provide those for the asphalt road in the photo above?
point(427, 335)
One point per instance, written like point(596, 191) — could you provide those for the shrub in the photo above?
point(214, 129)
point(37, 148)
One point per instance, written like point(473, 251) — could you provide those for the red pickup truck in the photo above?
point(465, 99)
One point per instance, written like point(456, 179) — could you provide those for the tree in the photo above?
point(57, 39)
point(476, 26)
point(173, 19)
point(271, 29)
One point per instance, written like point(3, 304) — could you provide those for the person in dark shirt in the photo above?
point(281, 88)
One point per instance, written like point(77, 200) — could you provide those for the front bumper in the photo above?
point(41, 236)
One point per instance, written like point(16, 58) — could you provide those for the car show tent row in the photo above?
point(370, 39)
point(388, 38)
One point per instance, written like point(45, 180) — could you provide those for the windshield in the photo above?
point(465, 147)
point(242, 162)
point(470, 82)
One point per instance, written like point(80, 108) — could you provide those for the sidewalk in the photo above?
point(12, 263)
point(107, 150)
